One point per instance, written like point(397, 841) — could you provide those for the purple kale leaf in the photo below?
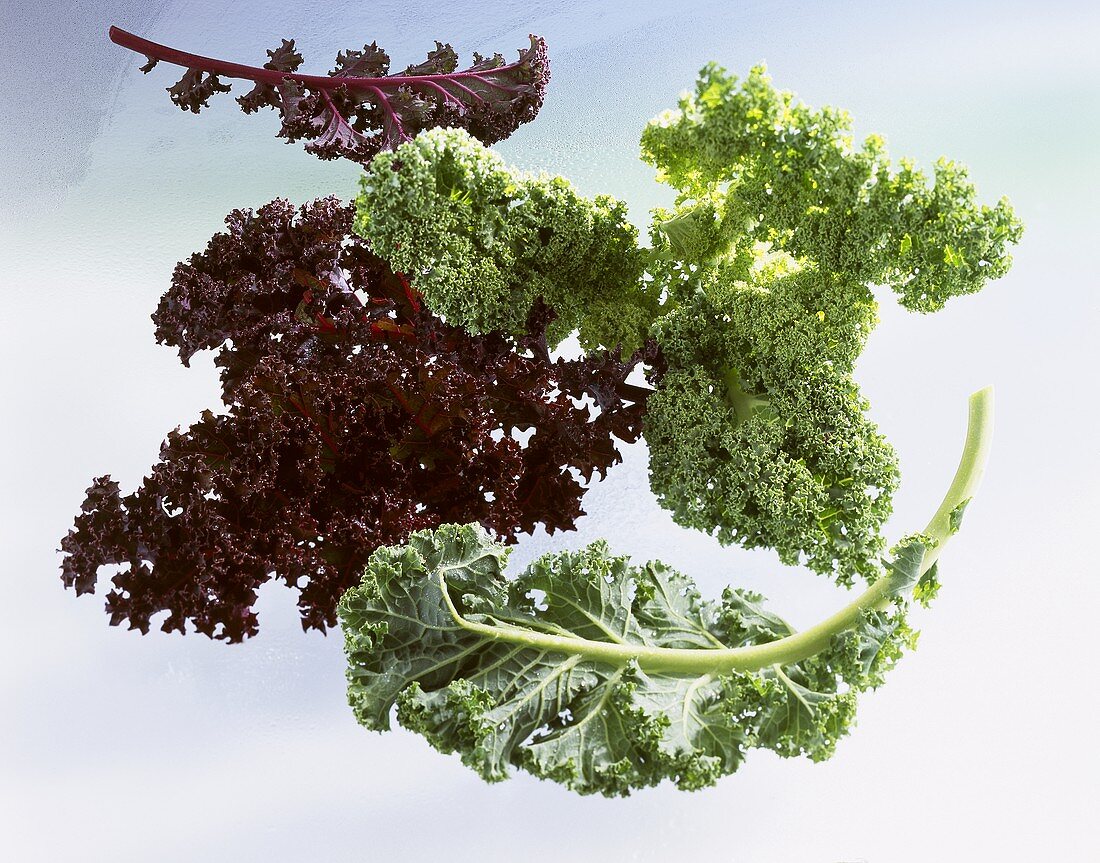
point(359, 109)
point(353, 417)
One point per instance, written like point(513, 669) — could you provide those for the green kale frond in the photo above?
point(757, 432)
point(483, 242)
point(600, 675)
point(772, 169)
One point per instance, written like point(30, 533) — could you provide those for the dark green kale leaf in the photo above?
point(597, 674)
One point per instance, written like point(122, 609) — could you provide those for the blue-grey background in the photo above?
point(117, 747)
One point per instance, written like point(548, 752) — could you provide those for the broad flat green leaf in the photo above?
point(502, 671)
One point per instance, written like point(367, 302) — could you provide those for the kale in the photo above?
point(359, 109)
point(354, 416)
point(487, 242)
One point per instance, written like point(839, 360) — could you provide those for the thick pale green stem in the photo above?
point(800, 645)
point(979, 437)
point(744, 404)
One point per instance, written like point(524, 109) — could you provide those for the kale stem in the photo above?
point(744, 404)
point(324, 83)
point(979, 437)
point(792, 648)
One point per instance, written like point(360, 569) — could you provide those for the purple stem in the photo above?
point(275, 77)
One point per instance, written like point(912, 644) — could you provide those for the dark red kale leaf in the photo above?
point(358, 109)
point(353, 417)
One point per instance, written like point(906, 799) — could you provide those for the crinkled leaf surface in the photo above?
point(467, 668)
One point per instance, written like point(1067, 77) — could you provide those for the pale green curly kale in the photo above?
point(751, 164)
point(483, 242)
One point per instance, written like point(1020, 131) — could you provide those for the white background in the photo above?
point(114, 746)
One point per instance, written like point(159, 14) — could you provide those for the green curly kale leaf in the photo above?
point(753, 164)
point(588, 671)
point(483, 242)
point(758, 433)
